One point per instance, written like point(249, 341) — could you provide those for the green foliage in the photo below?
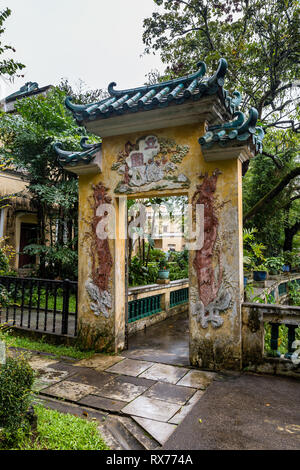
point(140, 275)
point(292, 259)
point(274, 264)
point(175, 262)
point(259, 39)
point(57, 431)
point(16, 381)
point(282, 340)
point(267, 298)
point(8, 67)
point(294, 293)
point(82, 95)
point(278, 217)
point(28, 138)
point(18, 341)
point(6, 255)
point(253, 251)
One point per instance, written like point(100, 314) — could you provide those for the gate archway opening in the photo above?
point(157, 284)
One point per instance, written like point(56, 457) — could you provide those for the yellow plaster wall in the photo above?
point(227, 337)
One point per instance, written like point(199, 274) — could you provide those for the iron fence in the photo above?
point(40, 304)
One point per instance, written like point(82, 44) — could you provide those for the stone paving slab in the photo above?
point(170, 393)
point(39, 385)
point(157, 396)
point(68, 367)
point(70, 390)
point(160, 431)
point(102, 403)
point(91, 377)
point(51, 376)
point(40, 362)
point(99, 361)
point(151, 408)
point(165, 373)
point(130, 367)
point(197, 379)
point(123, 391)
point(135, 380)
point(159, 356)
point(185, 410)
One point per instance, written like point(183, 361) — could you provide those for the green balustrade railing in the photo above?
point(178, 297)
point(142, 308)
point(281, 339)
point(282, 289)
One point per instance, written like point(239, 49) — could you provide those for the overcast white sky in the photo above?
point(99, 41)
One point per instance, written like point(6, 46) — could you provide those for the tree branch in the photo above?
point(273, 193)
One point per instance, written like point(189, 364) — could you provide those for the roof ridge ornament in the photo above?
point(72, 158)
point(24, 90)
point(199, 74)
point(219, 76)
point(239, 130)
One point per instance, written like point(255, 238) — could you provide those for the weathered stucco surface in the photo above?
point(215, 340)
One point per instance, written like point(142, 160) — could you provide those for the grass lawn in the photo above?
point(57, 431)
point(40, 345)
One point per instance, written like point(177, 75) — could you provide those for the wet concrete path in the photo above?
point(166, 342)
point(246, 412)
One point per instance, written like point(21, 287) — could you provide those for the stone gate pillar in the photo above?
point(182, 137)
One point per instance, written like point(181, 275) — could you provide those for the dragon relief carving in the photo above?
point(102, 262)
point(213, 294)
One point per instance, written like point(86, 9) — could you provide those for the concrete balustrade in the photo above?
point(163, 290)
point(254, 317)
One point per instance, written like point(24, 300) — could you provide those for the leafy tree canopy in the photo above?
point(259, 39)
point(28, 137)
point(8, 67)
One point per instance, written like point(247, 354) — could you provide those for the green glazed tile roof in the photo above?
point(74, 158)
point(148, 97)
point(30, 88)
point(189, 88)
point(238, 130)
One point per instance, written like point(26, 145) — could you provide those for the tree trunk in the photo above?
point(289, 233)
point(271, 194)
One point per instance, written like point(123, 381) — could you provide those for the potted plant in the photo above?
point(163, 272)
point(291, 260)
point(260, 273)
point(274, 264)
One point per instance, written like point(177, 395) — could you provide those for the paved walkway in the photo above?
point(156, 396)
point(167, 342)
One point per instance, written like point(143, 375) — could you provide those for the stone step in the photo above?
point(127, 434)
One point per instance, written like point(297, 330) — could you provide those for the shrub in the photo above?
point(294, 293)
point(16, 380)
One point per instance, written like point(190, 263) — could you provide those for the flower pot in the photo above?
point(245, 280)
point(286, 268)
point(259, 275)
point(164, 274)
